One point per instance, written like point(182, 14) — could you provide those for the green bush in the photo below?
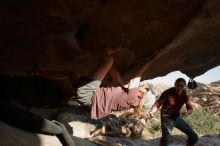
point(204, 122)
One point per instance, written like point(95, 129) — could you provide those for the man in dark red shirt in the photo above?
point(172, 101)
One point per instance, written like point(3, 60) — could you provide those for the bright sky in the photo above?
point(208, 77)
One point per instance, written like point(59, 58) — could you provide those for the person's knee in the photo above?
point(193, 138)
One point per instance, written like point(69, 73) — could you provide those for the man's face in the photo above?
point(180, 86)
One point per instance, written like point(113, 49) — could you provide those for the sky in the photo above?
point(208, 77)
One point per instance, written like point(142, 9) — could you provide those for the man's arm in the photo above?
point(153, 110)
point(140, 68)
point(116, 77)
point(158, 104)
point(189, 107)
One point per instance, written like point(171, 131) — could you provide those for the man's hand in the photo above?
point(152, 111)
point(142, 91)
point(184, 114)
point(151, 114)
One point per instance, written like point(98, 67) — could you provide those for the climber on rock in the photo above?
point(103, 100)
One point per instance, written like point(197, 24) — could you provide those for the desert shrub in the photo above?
point(155, 124)
point(155, 127)
point(204, 122)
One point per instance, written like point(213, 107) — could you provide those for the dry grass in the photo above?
point(202, 120)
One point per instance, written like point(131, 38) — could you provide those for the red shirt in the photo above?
point(109, 99)
point(172, 102)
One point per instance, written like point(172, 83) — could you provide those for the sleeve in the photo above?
point(188, 103)
point(133, 96)
point(162, 99)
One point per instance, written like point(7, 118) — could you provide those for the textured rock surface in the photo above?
point(177, 140)
point(52, 35)
point(77, 121)
point(74, 35)
point(12, 136)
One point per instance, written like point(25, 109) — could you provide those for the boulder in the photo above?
point(74, 35)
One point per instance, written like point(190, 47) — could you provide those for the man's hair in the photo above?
point(180, 80)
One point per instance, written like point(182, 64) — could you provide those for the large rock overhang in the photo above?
point(74, 35)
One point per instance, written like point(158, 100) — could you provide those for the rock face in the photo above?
point(12, 136)
point(79, 124)
point(73, 35)
point(77, 121)
point(177, 140)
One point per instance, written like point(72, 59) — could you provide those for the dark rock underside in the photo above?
point(74, 35)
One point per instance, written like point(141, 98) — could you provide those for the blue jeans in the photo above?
point(167, 125)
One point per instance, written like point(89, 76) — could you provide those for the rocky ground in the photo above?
point(79, 125)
